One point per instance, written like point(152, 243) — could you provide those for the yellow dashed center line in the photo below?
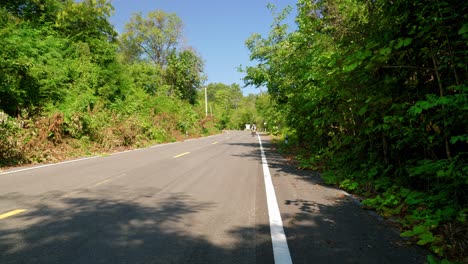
point(69, 194)
point(102, 182)
point(214, 143)
point(11, 213)
point(180, 155)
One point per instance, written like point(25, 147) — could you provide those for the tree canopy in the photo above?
point(153, 37)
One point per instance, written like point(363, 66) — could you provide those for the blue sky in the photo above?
point(216, 29)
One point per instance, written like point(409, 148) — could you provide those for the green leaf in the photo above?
point(362, 111)
point(364, 55)
point(462, 138)
point(419, 229)
point(403, 42)
point(385, 51)
point(407, 233)
point(463, 29)
point(351, 67)
point(432, 260)
point(407, 41)
point(332, 63)
point(425, 238)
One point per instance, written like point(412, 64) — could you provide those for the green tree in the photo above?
point(184, 74)
point(35, 11)
point(85, 20)
point(269, 117)
point(153, 37)
point(146, 76)
point(225, 101)
point(32, 69)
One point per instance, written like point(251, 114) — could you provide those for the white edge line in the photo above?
point(47, 165)
point(281, 252)
point(356, 201)
point(164, 144)
point(93, 157)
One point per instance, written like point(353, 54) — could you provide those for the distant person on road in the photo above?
point(254, 129)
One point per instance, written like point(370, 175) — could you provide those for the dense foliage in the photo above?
point(375, 94)
point(70, 85)
point(231, 107)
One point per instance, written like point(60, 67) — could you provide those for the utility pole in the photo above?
point(206, 103)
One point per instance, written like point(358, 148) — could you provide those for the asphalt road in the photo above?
point(198, 201)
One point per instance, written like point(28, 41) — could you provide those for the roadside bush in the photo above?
point(11, 151)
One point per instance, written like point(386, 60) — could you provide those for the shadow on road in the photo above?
point(93, 230)
point(88, 230)
point(275, 160)
point(325, 226)
point(128, 226)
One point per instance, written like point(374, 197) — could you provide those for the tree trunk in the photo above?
point(441, 93)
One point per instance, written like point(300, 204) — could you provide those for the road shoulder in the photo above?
point(323, 225)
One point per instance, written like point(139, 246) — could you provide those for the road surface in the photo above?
point(198, 201)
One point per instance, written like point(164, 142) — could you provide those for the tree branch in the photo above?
point(408, 67)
